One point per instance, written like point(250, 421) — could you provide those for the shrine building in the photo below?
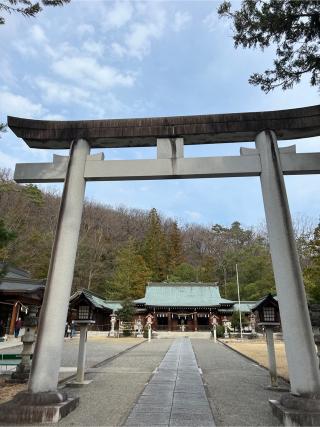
point(183, 306)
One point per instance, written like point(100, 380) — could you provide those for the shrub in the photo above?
point(220, 331)
point(126, 332)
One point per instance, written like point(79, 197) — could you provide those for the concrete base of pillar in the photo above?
point(139, 336)
point(78, 383)
point(34, 408)
point(297, 411)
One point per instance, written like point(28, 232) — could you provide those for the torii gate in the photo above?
point(170, 134)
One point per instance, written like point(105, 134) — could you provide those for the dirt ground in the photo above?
point(257, 350)
point(8, 391)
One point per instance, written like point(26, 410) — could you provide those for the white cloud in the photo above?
point(25, 48)
point(53, 117)
point(138, 40)
point(118, 16)
point(17, 105)
point(7, 74)
point(95, 48)
point(96, 104)
point(214, 23)
point(193, 215)
point(38, 34)
point(180, 20)
point(56, 92)
point(118, 49)
point(85, 29)
point(30, 45)
point(7, 161)
point(90, 73)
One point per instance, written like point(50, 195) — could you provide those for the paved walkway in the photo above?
point(235, 385)
point(116, 386)
point(175, 396)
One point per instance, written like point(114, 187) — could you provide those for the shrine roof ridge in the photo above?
point(143, 132)
point(165, 283)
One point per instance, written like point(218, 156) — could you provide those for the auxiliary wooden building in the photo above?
point(17, 291)
point(85, 304)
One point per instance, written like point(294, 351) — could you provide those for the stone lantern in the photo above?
point(138, 327)
point(149, 319)
point(252, 321)
point(225, 325)
point(214, 322)
point(113, 320)
point(83, 320)
point(269, 318)
point(24, 368)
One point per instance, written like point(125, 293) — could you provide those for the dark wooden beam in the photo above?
point(202, 129)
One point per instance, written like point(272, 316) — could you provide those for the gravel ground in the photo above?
point(235, 386)
point(98, 349)
point(116, 386)
point(257, 350)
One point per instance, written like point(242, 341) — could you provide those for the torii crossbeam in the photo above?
point(170, 134)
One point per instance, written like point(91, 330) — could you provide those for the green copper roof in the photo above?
point(245, 307)
point(182, 295)
point(97, 301)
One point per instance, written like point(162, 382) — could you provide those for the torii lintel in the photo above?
point(143, 132)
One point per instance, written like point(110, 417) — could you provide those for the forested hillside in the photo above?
point(120, 250)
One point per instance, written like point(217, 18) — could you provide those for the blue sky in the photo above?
point(103, 59)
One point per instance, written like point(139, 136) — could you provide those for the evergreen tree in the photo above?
point(312, 272)
point(126, 313)
point(154, 247)
point(207, 271)
point(27, 8)
point(293, 26)
point(235, 320)
point(131, 274)
point(174, 251)
point(6, 236)
point(183, 273)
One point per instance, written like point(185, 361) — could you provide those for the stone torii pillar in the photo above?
point(47, 357)
point(43, 402)
point(296, 325)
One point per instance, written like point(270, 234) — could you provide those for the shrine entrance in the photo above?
point(170, 134)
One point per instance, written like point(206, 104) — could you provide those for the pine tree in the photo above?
point(131, 274)
point(27, 8)
point(154, 247)
point(126, 313)
point(292, 26)
point(183, 273)
point(174, 253)
point(312, 273)
point(6, 235)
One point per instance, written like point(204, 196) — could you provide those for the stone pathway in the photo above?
point(235, 386)
point(175, 396)
point(115, 386)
